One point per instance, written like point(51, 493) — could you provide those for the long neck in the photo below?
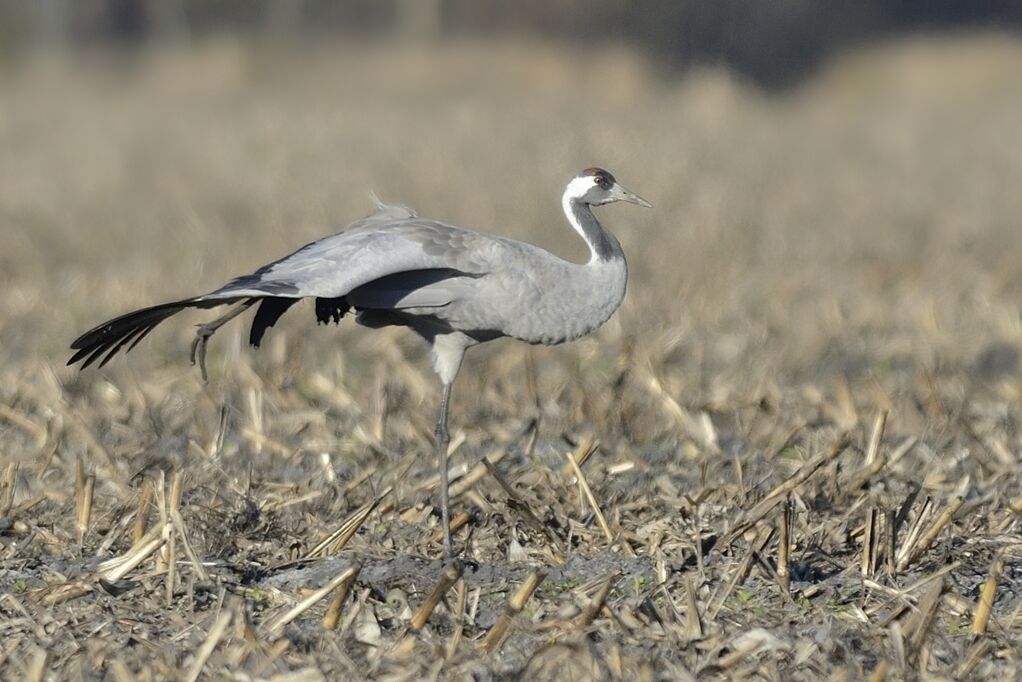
point(603, 246)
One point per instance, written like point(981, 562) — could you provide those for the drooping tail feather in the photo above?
point(103, 342)
point(270, 310)
point(331, 309)
point(108, 338)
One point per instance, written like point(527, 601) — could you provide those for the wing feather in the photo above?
point(391, 259)
point(390, 241)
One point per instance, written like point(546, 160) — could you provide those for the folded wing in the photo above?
point(389, 260)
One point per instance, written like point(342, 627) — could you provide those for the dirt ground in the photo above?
point(799, 439)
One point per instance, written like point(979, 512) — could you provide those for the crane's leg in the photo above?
point(447, 349)
point(443, 440)
point(209, 328)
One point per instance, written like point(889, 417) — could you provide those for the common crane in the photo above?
point(454, 287)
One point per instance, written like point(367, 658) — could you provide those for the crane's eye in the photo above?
point(603, 182)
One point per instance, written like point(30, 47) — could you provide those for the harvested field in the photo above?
point(802, 431)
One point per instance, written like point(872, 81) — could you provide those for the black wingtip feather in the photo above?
point(78, 356)
point(328, 309)
point(141, 335)
point(110, 337)
point(267, 315)
point(93, 356)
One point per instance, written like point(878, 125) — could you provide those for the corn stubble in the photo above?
point(793, 452)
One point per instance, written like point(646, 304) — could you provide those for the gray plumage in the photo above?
point(454, 287)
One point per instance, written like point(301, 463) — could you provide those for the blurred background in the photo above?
point(836, 187)
point(770, 42)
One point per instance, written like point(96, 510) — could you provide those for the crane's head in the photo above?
point(597, 187)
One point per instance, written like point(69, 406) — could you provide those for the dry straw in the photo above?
point(515, 604)
point(346, 576)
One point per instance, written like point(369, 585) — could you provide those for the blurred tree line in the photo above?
point(775, 42)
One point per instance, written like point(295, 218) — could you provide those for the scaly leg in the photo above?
point(209, 328)
point(443, 440)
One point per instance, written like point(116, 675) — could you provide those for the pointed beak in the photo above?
point(620, 193)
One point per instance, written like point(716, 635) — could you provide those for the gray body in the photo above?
point(445, 281)
point(454, 287)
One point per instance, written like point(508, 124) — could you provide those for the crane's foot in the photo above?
point(205, 331)
point(202, 337)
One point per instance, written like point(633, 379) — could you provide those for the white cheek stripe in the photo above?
point(575, 190)
point(579, 186)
